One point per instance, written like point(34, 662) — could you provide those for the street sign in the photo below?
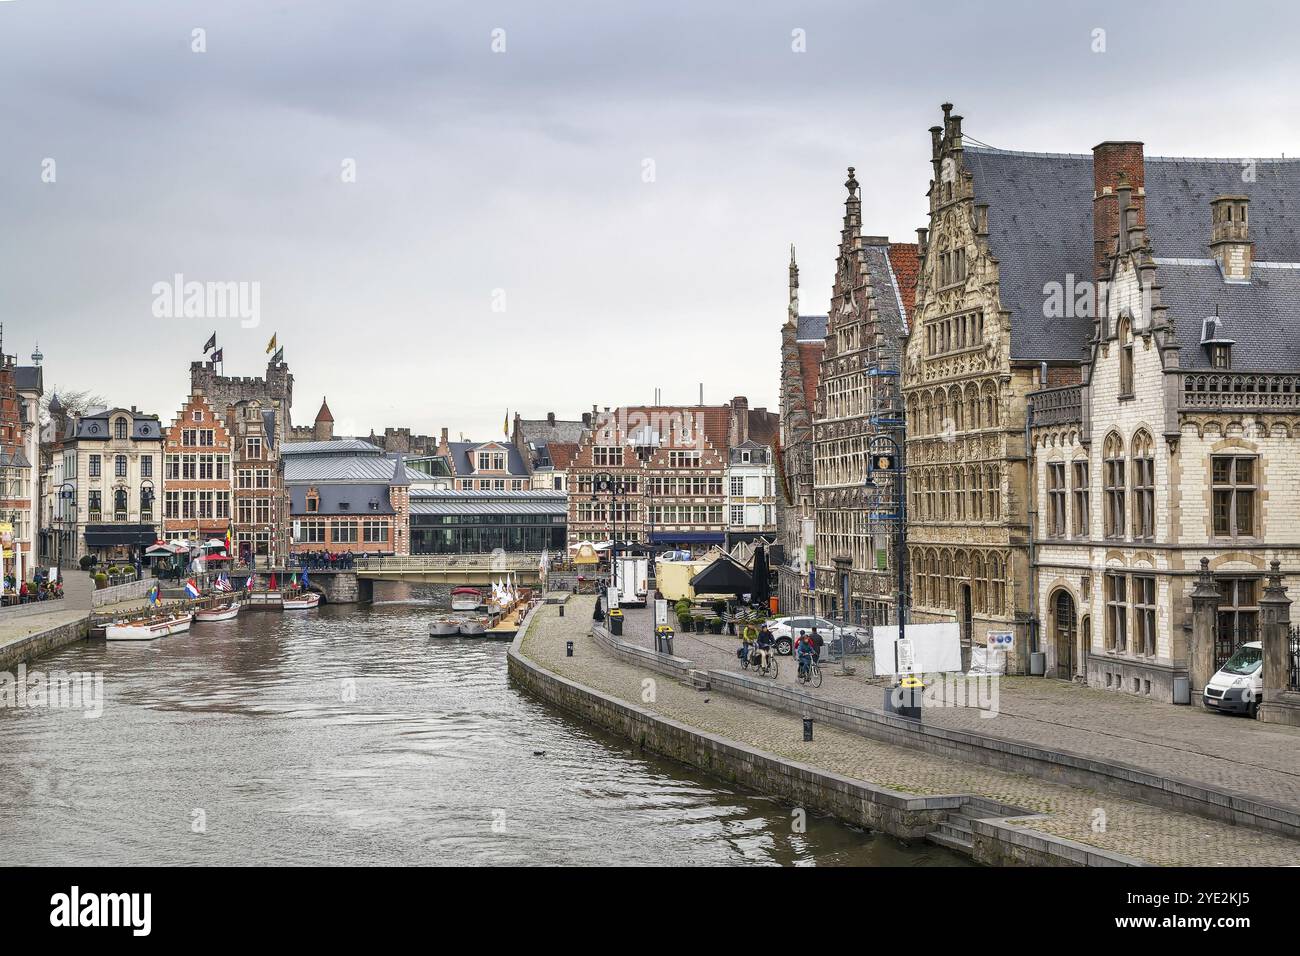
point(1000, 640)
point(906, 659)
point(883, 461)
point(661, 611)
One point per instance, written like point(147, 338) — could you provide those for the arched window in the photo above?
point(977, 493)
point(997, 586)
point(1144, 487)
point(979, 583)
point(1115, 485)
point(945, 581)
point(990, 405)
point(972, 407)
point(994, 493)
point(1125, 334)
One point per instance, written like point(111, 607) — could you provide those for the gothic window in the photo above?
point(979, 583)
point(990, 406)
point(1113, 476)
point(1125, 358)
point(994, 493)
point(1233, 492)
point(1056, 499)
point(1116, 612)
point(959, 493)
point(1080, 499)
point(1144, 487)
point(945, 581)
point(972, 407)
point(1144, 615)
point(997, 585)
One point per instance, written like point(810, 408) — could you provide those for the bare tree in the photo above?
point(74, 401)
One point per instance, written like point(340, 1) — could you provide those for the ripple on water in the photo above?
point(350, 736)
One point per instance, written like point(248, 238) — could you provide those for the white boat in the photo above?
point(301, 602)
point(223, 612)
point(473, 626)
point(444, 627)
point(148, 629)
point(466, 599)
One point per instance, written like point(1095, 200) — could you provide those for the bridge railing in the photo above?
point(501, 562)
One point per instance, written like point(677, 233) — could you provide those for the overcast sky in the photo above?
point(517, 179)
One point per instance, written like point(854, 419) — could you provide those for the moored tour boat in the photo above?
point(147, 629)
point(444, 627)
point(222, 612)
point(473, 626)
point(303, 601)
point(466, 599)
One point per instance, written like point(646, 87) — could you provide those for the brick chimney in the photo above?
point(1114, 164)
point(1230, 241)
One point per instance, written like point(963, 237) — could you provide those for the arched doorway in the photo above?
point(1064, 633)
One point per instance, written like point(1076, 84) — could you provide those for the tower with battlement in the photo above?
point(222, 391)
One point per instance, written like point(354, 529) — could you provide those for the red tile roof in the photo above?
point(810, 362)
point(905, 259)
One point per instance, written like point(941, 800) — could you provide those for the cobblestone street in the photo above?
point(1150, 833)
point(1218, 750)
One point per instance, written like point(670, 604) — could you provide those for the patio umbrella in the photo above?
point(760, 590)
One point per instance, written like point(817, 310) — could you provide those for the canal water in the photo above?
point(349, 736)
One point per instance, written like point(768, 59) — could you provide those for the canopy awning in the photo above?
point(723, 576)
point(110, 535)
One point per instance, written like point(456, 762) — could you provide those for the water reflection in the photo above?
point(348, 736)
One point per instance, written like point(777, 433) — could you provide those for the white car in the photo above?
point(1238, 686)
point(784, 630)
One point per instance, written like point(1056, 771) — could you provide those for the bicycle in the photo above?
point(810, 673)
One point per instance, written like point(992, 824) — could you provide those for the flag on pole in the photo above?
point(229, 551)
point(219, 356)
point(505, 427)
point(304, 579)
point(272, 586)
point(153, 593)
point(278, 357)
point(210, 344)
point(248, 583)
point(191, 589)
point(294, 583)
point(270, 346)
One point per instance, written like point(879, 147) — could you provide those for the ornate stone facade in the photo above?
point(1173, 464)
point(858, 403)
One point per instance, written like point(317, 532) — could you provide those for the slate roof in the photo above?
point(542, 431)
point(1259, 316)
point(464, 467)
point(29, 378)
point(341, 499)
point(538, 502)
point(811, 328)
point(98, 427)
point(888, 298)
point(1040, 230)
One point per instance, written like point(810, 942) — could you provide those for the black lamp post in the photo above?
point(890, 459)
point(67, 493)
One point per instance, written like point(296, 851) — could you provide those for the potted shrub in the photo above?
point(86, 562)
point(101, 581)
point(715, 626)
point(682, 607)
point(685, 621)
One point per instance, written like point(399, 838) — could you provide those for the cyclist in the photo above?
point(816, 640)
point(764, 645)
point(746, 645)
point(803, 650)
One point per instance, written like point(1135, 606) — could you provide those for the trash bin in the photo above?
point(1037, 663)
point(904, 697)
point(664, 639)
point(1182, 690)
point(616, 622)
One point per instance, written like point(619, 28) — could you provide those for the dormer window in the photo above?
point(313, 502)
point(1221, 356)
point(1125, 358)
point(119, 429)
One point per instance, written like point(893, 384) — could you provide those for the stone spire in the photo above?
point(793, 319)
point(852, 206)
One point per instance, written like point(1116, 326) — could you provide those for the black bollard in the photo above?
point(807, 728)
point(568, 648)
point(561, 610)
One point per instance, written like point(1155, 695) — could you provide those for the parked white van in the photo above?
point(1238, 685)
